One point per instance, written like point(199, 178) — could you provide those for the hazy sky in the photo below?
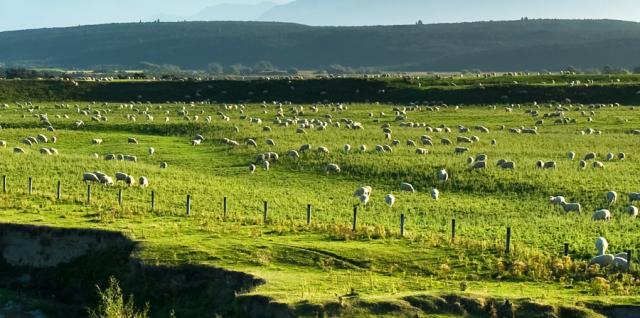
point(27, 14)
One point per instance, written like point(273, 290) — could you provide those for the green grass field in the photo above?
point(321, 262)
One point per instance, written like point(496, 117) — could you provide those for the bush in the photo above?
point(112, 304)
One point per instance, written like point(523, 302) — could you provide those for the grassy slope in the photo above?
point(316, 263)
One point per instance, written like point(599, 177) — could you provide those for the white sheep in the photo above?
point(130, 181)
point(443, 175)
point(611, 197)
point(363, 148)
point(634, 196)
point(90, 177)
point(144, 182)
point(598, 165)
point(571, 207)
point(132, 140)
point(152, 151)
point(389, 199)
point(571, 155)
point(364, 199)
point(121, 176)
point(164, 165)
point(610, 156)
point(602, 259)
point(347, 148)
point(601, 215)
point(332, 168)
point(435, 194)
point(270, 142)
point(556, 200)
point(590, 156)
point(407, 187)
point(632, 211)
point(365, 190)
point(266, 165)
point(582, 165)
point(96, 141)
point(479, 165)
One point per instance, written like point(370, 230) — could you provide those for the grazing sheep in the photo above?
point(152, 151)
point(110, 157)
point(144, 182)
point(622, 156)
point(389, 199)
point(470, 160)
point(407, 187)
point(601, 215)
point(95, 156)
point(571, 207)
point(494, 142)
point(42, 138)
point(18, 150)
point(252, 168)
point(445, 141)
point(464, 140)
point(602, 259)
point(546, 165)
point(366, 190)
point(90, 177)
point(443, 175)
point(266, 165)
point(557, 200)
point(121, 176)
point(479, 165)
point(634, 196)
point(164, 165)
point(611, 197)
point(461, 150)
point(347, 148)
point(293, 154)
point(481, 157)
point(632, 211)
point(305, 148)
point(590, 156)
point(132, 140)
point(363, 148)
point(106, 180)
point(3, 144)
point(196, 142)
point(508, 165)
point(130, 158)
point(435, 194)
point(582, 165)
point(364, 199)
point(571, 155)
point(27, 142)
point(54, 139)
point(332, 168)
point(252, 143)
point(270, 142)
point(421, 151)
point(45, 151)
point(96, 141)
point(130, 181)
point(598, 165)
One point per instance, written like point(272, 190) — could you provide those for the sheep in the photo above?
point(121, 176)
point(18, 150)
point(130, 181)
point(109, 157)
point(556, 200)
point(598, 165)
point(164, 165)
point(144, 182)
point(421, 151)
point(54, 139)
point(90, 177)
point(445, 141)
point(42, 138)
point(27, 142)
point(365, 190)
point(364, 199)
point(602, 259)
point(479, 165)
point(508, 165)
point(363, 148)
point(152, 151)
point(590, 156)
point(132, 141)
point(632, 211)
point(481, 157)
point(389, 199)
point(252, 168)
point(270, 142)
point(622, 156)
point(634, 196)
point(582, 165)
point(196, 142)
point(347, 148)
point(571, 155)
point(305, 148)
point(610, 156)
point(601, 215)
point(130, 158)
point(407, 187)
point(611, 197)
point(460, 150)
point(95, 155)
point(464, 140)
point(251, 143)
point(494, 142)
point(571, 207)
point(106, 180)
point(470, 160)
point(546, 165)
point(443, 175)
point(96, 141)
point(332, 168)
point(435, 194)
point(3, 144)
point(45, 151)
point(266, 165)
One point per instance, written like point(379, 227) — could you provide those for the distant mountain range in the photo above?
point(488, 46)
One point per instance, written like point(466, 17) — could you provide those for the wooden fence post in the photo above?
point(453, 230)
point(59, 191)
point(508, 242)
point(120, 197)
point(188, 204)
point(30, 187)
point(402, 224)
point(266, 211)
point(308, 214)
point(88, 194)
point(224, 208)
point(355, 218)
point(153, 200)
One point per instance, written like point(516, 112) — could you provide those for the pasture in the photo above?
point(324, 260)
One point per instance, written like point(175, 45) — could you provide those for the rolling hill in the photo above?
point(489, 46)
